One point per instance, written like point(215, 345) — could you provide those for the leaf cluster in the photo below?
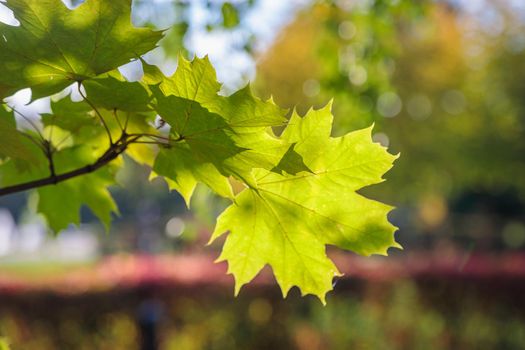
point(299, 187)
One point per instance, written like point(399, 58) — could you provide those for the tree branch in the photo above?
point(49, 155)
point(111, 153)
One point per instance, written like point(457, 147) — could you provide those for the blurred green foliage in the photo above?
point(340, 50)
point(441, 87)
point(179, 16)
point(230, 15)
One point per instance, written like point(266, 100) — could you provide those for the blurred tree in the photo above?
point(454, 112)
point(444, 84)
point(340, 49)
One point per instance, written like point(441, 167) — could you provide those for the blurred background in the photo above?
point(444, 83)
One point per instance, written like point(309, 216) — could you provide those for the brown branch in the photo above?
point(111, 153)
point(49, 155)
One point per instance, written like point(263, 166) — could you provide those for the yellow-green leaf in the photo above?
point(288, 219)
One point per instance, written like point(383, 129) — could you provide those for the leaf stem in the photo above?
point(27, 119)
point(160, 137)
point(117, 119)
point(97, 112)
point(38, 144)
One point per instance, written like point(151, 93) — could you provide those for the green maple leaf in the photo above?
point(54, 46)
point(112, 93)
point(197, 81)
point(179, 166)
point(216, 136)
point(61, 203)
point(287, 220)
point(194, 80)
point(70, 116)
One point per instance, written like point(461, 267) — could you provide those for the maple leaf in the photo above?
point(287, 220)
point(111, 93)
point(215, 136)
point(69, 115)
point(54, 46)
point(61, 204)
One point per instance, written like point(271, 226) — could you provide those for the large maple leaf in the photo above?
point(54, 46)
point(287, 220)
point(218, 136)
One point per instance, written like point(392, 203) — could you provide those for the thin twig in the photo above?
point(126, 122)
point(59, 143)
point(157, 137)
point(38, 144)
point(97, 112)
point(151, 142)
point(118, 120)
point(51, 128)
point(33, 125)
point(110, 154)
point(157, 143)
